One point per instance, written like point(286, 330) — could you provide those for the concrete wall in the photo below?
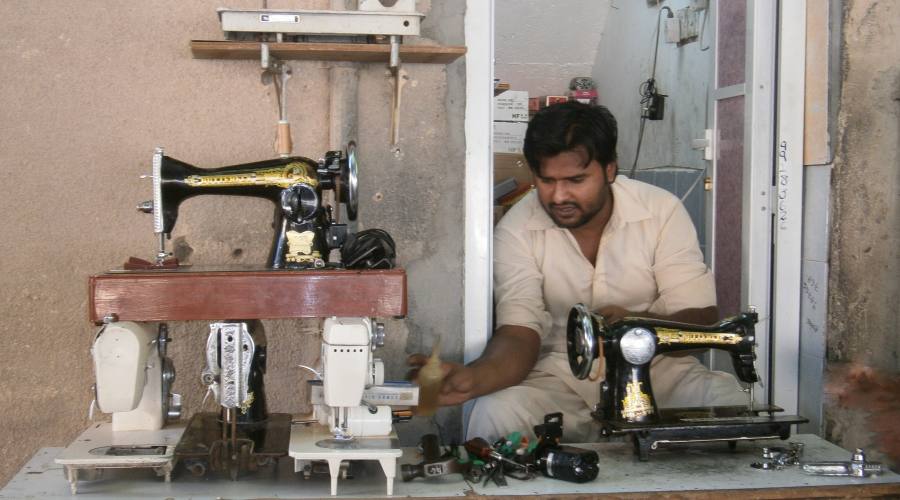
point(540, 45)
point(624, 60)
point(862, 393)
point(89, 88)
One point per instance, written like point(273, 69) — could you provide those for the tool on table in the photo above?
point(496, 466)
point(430, 378)
point(777, 457)
point(858, 466)
point(568, 463)
point(133, 382)
point(627, 404)
point(434, 463)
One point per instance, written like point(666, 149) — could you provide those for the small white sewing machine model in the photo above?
point(133, 382)
point(354, 420)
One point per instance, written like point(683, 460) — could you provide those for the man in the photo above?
point(621, 247)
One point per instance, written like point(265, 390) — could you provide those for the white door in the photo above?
point(755, 213)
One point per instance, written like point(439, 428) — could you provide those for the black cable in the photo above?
point(369, 249)
point(647, 91)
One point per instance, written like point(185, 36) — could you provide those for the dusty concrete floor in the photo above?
point(90, 88)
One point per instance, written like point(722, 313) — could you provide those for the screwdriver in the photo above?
point(483, 450)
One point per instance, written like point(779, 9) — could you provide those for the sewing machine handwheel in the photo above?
point(581, 341)
point(350, 181)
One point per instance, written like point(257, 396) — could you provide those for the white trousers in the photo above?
point(550, 387)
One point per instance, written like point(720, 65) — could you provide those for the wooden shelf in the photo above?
point(190, 295)
point(350, 52)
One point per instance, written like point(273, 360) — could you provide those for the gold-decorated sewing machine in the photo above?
point(627, 405)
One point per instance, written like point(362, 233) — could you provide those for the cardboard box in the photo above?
point(549, 100)
point(513, 166)
point(509, 136)
point(511, 106)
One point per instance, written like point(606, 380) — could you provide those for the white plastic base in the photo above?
point(78, 456)
point(307, 444)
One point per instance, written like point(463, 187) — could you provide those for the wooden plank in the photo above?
point(351, 52)
point(816, 138)
point(180, 296)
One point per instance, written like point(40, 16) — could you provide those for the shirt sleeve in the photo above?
point(518, 282)
point(682, 278)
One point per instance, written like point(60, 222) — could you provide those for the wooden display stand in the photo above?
point(184, 295)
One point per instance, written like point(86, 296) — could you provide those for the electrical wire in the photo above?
point(369, 249)
point(647, 90)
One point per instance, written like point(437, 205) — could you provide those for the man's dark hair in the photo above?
point(571, 126)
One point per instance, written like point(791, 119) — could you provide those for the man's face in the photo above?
point(574, 194)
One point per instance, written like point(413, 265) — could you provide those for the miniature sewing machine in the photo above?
point(627, 404)
point(352, 403)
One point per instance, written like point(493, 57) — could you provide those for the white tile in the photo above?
point(810, 404)
point(813, 307)
point(816, 198)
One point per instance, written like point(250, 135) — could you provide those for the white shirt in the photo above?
point(648, 260)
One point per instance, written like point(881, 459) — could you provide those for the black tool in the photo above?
point(568, 463)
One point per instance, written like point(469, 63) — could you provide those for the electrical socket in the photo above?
point(673, 30)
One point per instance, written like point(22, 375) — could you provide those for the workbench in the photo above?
point(698, 471)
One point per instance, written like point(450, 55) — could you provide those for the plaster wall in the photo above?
point(862, 392)
point(86, 95)
point(540, 45)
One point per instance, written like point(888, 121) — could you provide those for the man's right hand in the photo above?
point(508, 357)
point(459, 380)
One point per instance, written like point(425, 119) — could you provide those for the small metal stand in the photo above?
point(704, 424)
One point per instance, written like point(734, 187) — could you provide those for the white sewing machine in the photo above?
point(133, 382)
point(352, 403)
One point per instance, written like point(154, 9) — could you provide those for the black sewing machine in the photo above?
point(627, 405)
point(305, 229)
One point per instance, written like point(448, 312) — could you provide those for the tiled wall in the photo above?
point(814, 293)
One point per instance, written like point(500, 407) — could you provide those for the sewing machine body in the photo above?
point(305, 228)
point(133, 383)
point(627, 404)
point(349, 423)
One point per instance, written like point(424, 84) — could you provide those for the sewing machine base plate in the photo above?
point(98, 447)
point(313, 441)
point(718, 423)
point(259, 444)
